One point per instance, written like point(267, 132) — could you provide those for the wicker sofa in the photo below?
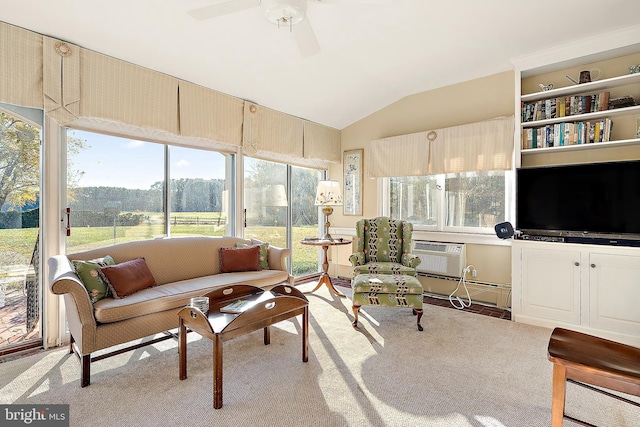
point(182, 267)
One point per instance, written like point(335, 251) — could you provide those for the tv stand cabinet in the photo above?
point(593, 289)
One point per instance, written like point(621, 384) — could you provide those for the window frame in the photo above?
point(384, 193)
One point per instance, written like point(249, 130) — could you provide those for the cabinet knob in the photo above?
point(593, 266)
point(577, 264)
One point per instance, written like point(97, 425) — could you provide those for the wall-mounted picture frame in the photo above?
point(352, 162)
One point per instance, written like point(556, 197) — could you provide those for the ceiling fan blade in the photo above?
point(306, 39)
point(215, 10)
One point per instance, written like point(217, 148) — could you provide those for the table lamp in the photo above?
point(328, 195)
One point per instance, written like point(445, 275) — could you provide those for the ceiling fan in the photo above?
point(284, 13)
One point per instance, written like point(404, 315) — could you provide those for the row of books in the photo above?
point(567, 133)
point(564, 106)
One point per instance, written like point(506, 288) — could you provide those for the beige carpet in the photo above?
point(463, 370)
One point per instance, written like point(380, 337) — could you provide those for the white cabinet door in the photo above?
point(551, 284)
point(614, 293)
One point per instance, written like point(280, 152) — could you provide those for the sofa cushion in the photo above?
point(89, 274)
point(239, 259)
point(178, 294)
point(264, 251)
point(128, 277)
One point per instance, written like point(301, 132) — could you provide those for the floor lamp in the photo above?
point(328, 195)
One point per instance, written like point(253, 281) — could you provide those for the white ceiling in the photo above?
point(373, 52)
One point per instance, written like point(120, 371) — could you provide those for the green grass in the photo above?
point(20, 240)
point(305, 257)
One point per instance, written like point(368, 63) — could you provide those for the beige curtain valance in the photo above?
point(210, 115)
point(321, 143)
point(269, 134)
point(83, 89)
point(61, 83)
point(481, 146)
point(403, 155)
point(20, 66)
point(119, 91)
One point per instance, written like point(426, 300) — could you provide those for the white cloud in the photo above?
point(182, 163)
point(133, 144)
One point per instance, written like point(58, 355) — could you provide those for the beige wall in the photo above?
point(453, 105)
point(463, 103)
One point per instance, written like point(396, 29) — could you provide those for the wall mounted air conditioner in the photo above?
point(447, 259)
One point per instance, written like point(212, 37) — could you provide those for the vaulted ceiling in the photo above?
point(372, 52)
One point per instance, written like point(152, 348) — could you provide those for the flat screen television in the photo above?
point(587, 200)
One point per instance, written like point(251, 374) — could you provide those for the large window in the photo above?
point(199, 193)
point(118, 188)
point(467, 201)
point(279, 209)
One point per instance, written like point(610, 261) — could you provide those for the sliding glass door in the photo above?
point(279, 209)
point(115, 190)
point(266, 201)
point(20, 274)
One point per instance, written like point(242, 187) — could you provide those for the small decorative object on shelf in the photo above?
point(622, 102)
point(634, 69)
point(545, 88)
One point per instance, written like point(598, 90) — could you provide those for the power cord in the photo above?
point(461, 303)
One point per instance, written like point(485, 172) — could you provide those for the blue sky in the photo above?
point(121, 162)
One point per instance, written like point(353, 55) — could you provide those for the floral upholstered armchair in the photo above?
point(383, 247)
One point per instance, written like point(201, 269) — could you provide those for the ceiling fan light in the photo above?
point(289, 12)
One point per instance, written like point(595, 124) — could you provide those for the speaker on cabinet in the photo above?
point(504, 230)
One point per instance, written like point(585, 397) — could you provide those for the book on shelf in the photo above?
point(567, 133)
point(238, 306)
point(564, 106)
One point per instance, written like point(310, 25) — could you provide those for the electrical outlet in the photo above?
point(474, 273)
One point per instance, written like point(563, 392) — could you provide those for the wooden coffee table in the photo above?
point(280, 303)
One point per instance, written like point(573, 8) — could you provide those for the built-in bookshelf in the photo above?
point(578, 117)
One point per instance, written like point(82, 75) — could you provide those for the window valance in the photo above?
point(403, 155)
point(87, 90)
point(268, 132)
point(20, 67)
point(481, 146)
point(321, 143)
point(210, 115)
point(61, 82)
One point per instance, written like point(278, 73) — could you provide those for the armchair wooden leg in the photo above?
point(356, 309)
point(418, 312)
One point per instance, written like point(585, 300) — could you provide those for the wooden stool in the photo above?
point(584, 359)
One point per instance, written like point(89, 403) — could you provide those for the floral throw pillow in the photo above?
point(88, 272)
point(263, 260)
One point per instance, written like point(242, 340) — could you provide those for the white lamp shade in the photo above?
point(328, 194)
point(276, 195)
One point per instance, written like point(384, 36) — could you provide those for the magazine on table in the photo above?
point(238, 306)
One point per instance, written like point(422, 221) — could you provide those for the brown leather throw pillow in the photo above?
point(128, 277)
point(239, 259)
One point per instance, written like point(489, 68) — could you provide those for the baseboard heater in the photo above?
point(447, 259)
